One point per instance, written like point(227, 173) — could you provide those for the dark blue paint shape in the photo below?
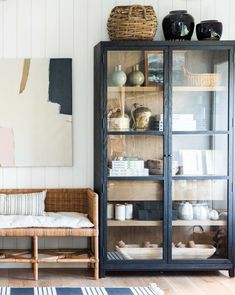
point(119, 291)
point(60, 83)
point(69, 291)
point(22, 291)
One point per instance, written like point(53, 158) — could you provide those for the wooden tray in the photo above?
point(201, 251)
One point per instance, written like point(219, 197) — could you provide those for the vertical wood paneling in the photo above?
point(106, 8)
point(24, 27)
point(38, 178)
point(231, 20)
point(155, 4)
point(81, 79)
point(66, 48)
point(94, 35)
point(221, 13)
point(24, 49)
point(24, 177)
point(179, 4)
point(9, 24)
point(194, 9)
point(51, 177)
point(66, 28)
point(132, 2)
point(39, 51)
point(1, 28)
point(164, 8)
point(52, 28)
point(38, 28)
point(52, 50)
point(1, 178)
point(208, 9)
point(9, 178)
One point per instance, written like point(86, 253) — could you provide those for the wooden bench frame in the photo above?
point(58, 200)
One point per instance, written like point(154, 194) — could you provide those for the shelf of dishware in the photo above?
point(159, 88)
point(118, 89)
point(134, 223)
point(199, 222)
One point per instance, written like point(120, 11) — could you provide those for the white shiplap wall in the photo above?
point(71, 28)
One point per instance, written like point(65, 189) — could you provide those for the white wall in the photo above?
point(70, 28)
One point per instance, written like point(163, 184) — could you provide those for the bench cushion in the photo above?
point(49, 220)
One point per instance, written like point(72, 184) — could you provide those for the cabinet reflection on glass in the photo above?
point(128, 155)
point(200, 84)
point(199, 219)
point(200, 155)
point(135, 219)
point(135, 91)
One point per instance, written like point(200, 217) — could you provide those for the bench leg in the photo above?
point(35, 254)
point(96, 250)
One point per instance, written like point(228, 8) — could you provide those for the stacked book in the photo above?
point(183, 122)
point(128, 167)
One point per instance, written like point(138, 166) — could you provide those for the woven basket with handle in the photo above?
point(135, 22)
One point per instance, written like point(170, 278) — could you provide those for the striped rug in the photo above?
point(151, 290)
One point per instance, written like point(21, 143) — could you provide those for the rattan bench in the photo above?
point(58, 200)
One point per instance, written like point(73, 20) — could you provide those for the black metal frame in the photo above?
point(100, 156)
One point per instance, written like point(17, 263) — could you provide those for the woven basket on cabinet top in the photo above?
point(134, 22)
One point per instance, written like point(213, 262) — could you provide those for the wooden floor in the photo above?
point(213, 283)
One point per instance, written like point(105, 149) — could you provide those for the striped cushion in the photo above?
point(23, 204)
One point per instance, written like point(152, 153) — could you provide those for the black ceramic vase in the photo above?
point(209, 30)
point(178, 25)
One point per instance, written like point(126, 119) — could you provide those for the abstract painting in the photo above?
point(35, 112)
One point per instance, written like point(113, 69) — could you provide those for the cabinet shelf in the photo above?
point(137, 132)
point(134, 223)
point(157, 88)
point(150, 177)
point(209, 132)
point(198, 88)
point(199, 177)
point(199, 222)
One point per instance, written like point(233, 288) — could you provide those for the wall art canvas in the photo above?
point(35, 112)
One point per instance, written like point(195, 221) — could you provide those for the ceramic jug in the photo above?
point(140, 117)
point(187, 211)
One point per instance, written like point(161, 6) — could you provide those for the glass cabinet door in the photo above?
point(135, 148)
point(200, 142)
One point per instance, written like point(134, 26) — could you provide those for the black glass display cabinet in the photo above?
point(163, 160)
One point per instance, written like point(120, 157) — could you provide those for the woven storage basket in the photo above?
point(134, 22)
point(203, 79)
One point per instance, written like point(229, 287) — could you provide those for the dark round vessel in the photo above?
point(209, 30)
point(178, 25)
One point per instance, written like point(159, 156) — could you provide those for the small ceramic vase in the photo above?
point(209, 30)
point(118, 76)
point(136, 77)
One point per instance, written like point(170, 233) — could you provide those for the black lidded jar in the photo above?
point(209, 30)
point(178, 25)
